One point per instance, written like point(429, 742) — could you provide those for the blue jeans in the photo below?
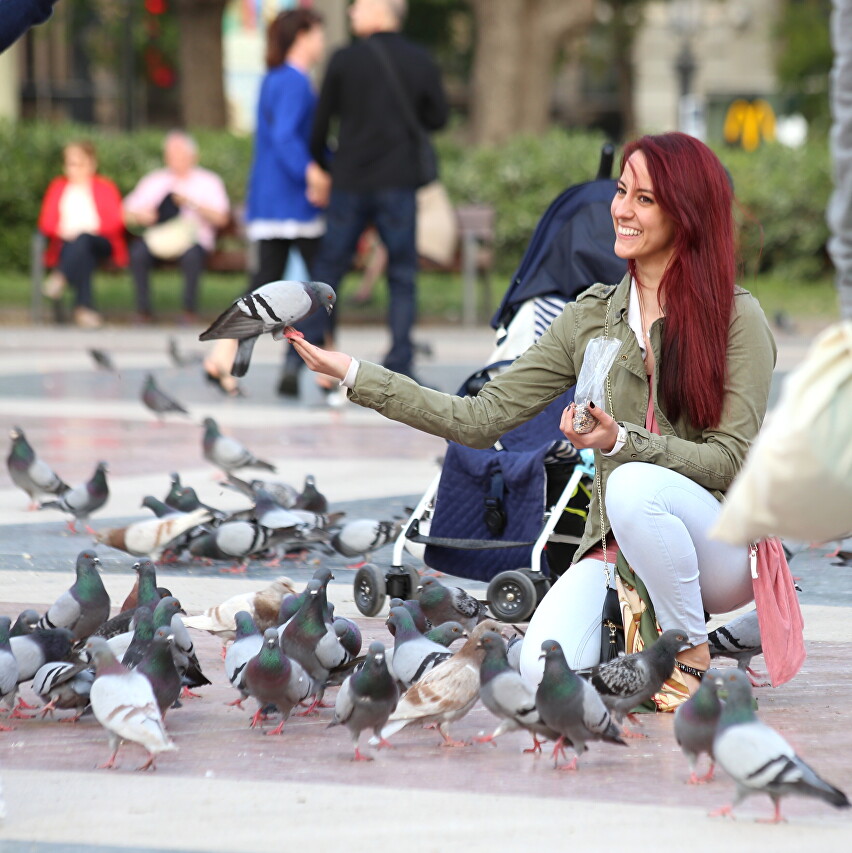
point(78, 259)
point(393, 212)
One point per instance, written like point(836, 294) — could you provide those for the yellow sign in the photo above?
point(749, 123)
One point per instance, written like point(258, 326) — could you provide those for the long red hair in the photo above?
point(697, 289)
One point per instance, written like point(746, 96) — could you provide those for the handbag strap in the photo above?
point(393, 78)
point(597, 467)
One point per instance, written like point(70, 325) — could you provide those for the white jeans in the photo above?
point(660, 520)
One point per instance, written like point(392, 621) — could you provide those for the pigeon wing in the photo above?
point(446, 689)
point(235, 322)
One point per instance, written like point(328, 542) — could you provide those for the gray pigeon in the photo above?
point(695, 724)
point(507, 695)
point(123, 702)
point(570, 706)
point(311, 498)
point(64, 686)
point(232, 540)
point(413, 655)
point(513, 652)
point(282, 493)
point(443, 604)
point(84, 607)
point(157, 400)
point(42, 646)
point(739, 639)
point(757, 758)
point(30, 473)
point(626, 682)
point(8, 669)
point(360, 537)
point(158, 666)
point(182, 359)
point(412, 605)
point(167, 614)
point(26, 622)
point(247, 644)
point(143, 636)
point(83, 500)
point(103, 360)
point(446, 634)
point(272, 678)
point(270, 308)
point(366, 699)
point(227, 453)
point(144, 593)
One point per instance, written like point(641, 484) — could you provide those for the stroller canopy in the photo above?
point(570, 250)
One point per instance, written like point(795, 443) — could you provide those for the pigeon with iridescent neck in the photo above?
point(29, 472)
point(695, 724)
point(83, 500)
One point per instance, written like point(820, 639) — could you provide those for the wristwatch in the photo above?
point(620, 441)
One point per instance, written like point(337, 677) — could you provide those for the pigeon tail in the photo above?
point(243, 356)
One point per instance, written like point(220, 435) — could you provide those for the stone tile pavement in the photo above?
point(229, 788)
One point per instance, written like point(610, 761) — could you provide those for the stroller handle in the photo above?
point(607, 157)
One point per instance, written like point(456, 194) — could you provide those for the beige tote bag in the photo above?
point(797, 478)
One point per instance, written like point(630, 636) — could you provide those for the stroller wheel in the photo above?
point(512, 596)
point(369, 589)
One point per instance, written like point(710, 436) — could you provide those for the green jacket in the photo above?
point(710, 457)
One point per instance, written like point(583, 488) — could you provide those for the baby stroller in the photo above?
point(512, 515)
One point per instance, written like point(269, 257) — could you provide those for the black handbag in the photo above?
point(612, 627)
point(427, 161)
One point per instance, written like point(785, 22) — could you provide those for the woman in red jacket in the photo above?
point(82, 217)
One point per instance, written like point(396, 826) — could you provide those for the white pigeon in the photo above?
point(269, 308)
point(150, 537)
point(262, 605)
point(227, 453)
point(123, 703)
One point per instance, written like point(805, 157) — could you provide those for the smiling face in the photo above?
point(643, 232)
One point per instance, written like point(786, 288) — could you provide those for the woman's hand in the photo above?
point(602, 436)
point(327, 362)
point(318, 185)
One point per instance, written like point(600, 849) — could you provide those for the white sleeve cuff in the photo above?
point(620, 441)
point(348, 381)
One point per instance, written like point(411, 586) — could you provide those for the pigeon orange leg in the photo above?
point(236, 703)
point(384, 743)
point(149, 764)
point(776, 817)
point(292, 332)
point(536, 747)
point(754, 676)
point(571, 765)
point(109, 764)
point(485, 739)
point(72, 527)
point(359, 756)
point(186, 693)
point(237, 569)
point(6, 728)
point(279, 729)
point(708, 776)
point(25, 705)
point(448, 741)
point(625, 732)
point(73, 719)
point(18, 714)
point(49, 708)
point(257, 718)
point(357, 565)
point(722, 811)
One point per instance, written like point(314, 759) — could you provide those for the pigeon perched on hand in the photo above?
point(30, 473)
point(413, 655)
point(261, 605)
point(273, 678)
point(757, 758)
point(83, 500)
point(158, 401)
point(739, 639)
point(695, 724)
point(83, 607)
point(366, 699)
point(444, 604)
point(571, 707)
point(271, 308)
point(64, 686)
point(123, 702)
point(628, 681)
point(507, 695)
point(227, 453)
point(446, 693)
point(247, 644)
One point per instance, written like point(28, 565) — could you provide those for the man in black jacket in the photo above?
point(374, 170)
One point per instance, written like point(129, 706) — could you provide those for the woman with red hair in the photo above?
point(686, 396)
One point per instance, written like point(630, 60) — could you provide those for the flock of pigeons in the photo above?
point(285, 648)
point(281, 520)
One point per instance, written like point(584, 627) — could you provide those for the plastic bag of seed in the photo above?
point(598, 359)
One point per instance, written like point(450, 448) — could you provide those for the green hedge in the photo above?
point(782, 193)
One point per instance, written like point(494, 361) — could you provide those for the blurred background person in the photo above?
point(81, 216)
point(185, 192)
point(279, 215)
point(374, 170)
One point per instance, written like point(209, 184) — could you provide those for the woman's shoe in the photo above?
point(226, 384)
point(86, 318)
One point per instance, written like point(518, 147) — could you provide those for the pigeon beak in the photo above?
point(542, 656)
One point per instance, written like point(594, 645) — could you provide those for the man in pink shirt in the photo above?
point(181, 189)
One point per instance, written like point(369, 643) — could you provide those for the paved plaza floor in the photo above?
point(230, 788)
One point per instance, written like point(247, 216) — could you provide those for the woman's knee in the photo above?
point(627, 491)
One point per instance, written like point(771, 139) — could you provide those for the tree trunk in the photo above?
point(201, 68)
point(517, 45)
